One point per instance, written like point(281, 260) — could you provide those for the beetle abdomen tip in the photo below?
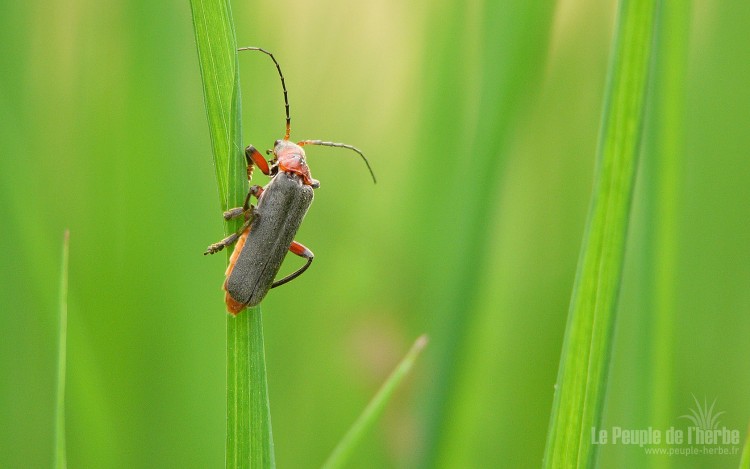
point(234, 307)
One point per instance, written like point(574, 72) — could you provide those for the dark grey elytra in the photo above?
point(279, 214)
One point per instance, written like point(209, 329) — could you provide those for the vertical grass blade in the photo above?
point(665, 149)
point(374, 408)
point(582, 376)
point(249, 441)
point(249, 435)
point(500, 46)
point(60, 456)
point(217, 55)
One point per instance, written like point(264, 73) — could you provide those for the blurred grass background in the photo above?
point(480, 121)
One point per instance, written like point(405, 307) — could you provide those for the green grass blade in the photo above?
point(249, 441)
point(745, 458)
point(60, 457)
point(582, 376)
point(374, 408)
point(666, 150)
point(249, 435)
point(501, 46)
point(217, 55)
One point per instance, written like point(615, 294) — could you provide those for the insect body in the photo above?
point(269, 229)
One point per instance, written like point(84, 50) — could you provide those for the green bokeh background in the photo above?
point(480, 120)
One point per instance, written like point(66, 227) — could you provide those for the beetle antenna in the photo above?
point(339, 145)
point(283, 86)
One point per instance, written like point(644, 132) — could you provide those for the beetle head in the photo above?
point(290, 158)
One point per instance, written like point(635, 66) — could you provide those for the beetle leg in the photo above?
point(232, 213)
point(232, 238)
point(216, 247)
point(301, 251)
point(253, 156)
point(256, 191)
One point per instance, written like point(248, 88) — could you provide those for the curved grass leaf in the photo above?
point(249, 440)
point(582, 376)
point(374, 408)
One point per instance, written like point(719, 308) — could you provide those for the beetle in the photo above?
point(268, 230)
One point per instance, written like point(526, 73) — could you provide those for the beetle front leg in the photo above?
point(301, 251)
point(232, 238)
point(254, 157)
point(232, 213)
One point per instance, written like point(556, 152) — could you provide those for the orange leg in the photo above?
point(253, 156)
point(301, 251)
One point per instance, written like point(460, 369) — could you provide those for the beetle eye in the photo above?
point(276, 143)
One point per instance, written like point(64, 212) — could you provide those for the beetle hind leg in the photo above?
point(300, 250)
